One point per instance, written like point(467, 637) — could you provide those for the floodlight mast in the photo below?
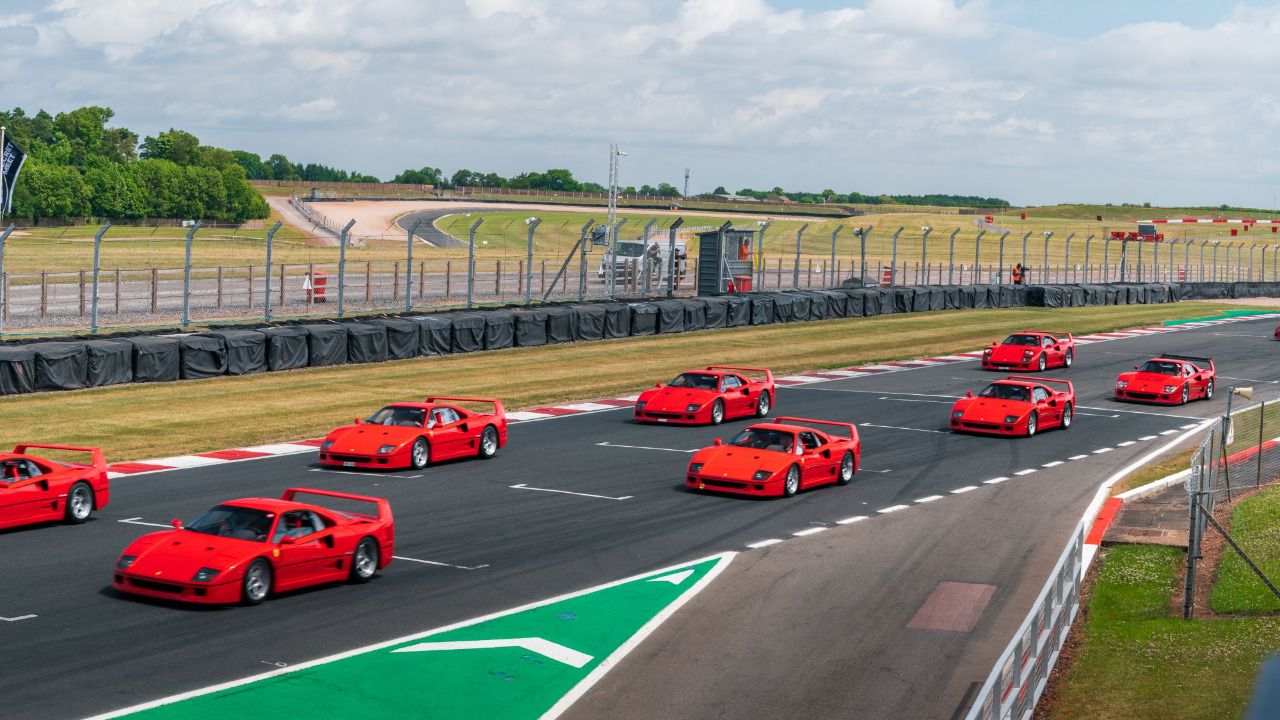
point(614, 154)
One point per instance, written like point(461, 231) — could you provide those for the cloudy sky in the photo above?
point(1035, 101)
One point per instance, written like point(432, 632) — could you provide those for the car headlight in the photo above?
point(640, 405)
point(205, 575)
point(1121, 384)
point(761, 475)
point(1028, 354)
point(695, 467)
point(125, 561)
point(1170, 388)
point(693, 407)
point(1011, 418)
point(986, 353)
point(326, 445)
point(957, 414)
point(386, 449)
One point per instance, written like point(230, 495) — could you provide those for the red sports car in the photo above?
point(411, 435)
point(1017, 405)
point(35, 489)
point(1168, 380)
point(780, 457)
point(1030, 350)
point(709, 396)
point(244, 550)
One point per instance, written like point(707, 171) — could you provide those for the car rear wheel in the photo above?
point(79, 503)
point(847, 469)
point(420, 454)
point(1068, 358)
point(764, 405)
point(1042, 363)
point(1186, 394)
point(1031, 423)
point(791, 485)
point(1208, 390)
point(1068, 414)
point(257, 582)
point(364, 561)
point(489, 442)
point(717, 412)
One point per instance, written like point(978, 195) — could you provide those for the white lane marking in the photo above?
point(995, 480)
point(955, 358)
point(929, 499)
point(1127, 443)
point(802, 379)
point(808, 531)
point(674, 578)
point(628, 398)
point(1191, 426)
point(440, 564)
point(644, 447)
point(867, 470)
point(281, 449)
point(764, 543)
point(1099, 451)
point(526, 415)
point(895, 427)
point(965, 489)
point(1252, 380)
point(589, 407)
point(940, 402)
point(1055, 463)
point(17, 618)
point(1144, 438)
point(1028, 471)
point(1077, 457)
point(1168, 432)
point(851, 520)
point(850, 374)
point(1141, 412)
point(522, 486)
point(186, 461)
point(921, 363)
point(1105, 415)
point(883, 368)
point(544, 647)
point(136, 521)
point(892, 508)
point(357, 472)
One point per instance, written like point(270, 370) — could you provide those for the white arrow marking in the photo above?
point(16, 619)
point(439, 564)
point(674, 579)
point(643, 447)
point(895, 427)
point(522, 486)
point(555, 651)
point(137, 521)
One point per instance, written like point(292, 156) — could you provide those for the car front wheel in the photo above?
point(79, 503)
point(1208, 390)
point(764, 405)
point(717, 412)
point(1068, 414)
point(1068, 358)
point(1042, 363)
point(791, 485)
point(1031, 423)
point(420, 455)
point(257, 582)
point(1186, 394)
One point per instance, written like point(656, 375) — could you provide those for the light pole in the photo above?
point(533, 223)
point(614, 154)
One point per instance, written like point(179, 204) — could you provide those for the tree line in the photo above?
point(855, 198)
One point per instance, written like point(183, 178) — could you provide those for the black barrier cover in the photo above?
point(784, 308)
point(468, 331)
point(855, 302)
point(617, 320)
point(928, 298)
point(953, 299)
point(326, 344)
point(761, 309)
point(837, 303)
point(588, 322)
point(202, 356)
point(967, 296)
point(286, 347)
point(818, 309)
point(695, 314)
point(559, 324)
point(402, 338)
point(435, 334)
point(246, 350)
point(110, 362)
point(670, 316)
point(499, 329)
point(531, 327)
point(904, 299)
point(715, 311)
point(17, 370)
point(61, 365)
point(738, 311)
point(644, 319)
point(366, 341)
point(1075, 296)
point(800, 304)
point(155, 359)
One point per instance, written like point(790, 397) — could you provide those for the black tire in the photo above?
point(1042, 363)
point(1068, 358)
point(256, 584)
point(1033, 423)
point(488, 442)
point(364, 560)
point(791, 485)
point(79, 503)
point(717, 412)
point(420, 454)
point(1068, 415)
point(1208, 390)
point(847, 468)
point(764, 404)
point(1186, 394)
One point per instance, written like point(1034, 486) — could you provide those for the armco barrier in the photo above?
point(66, 363)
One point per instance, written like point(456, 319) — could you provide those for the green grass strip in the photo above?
point(1255, 525)
point(1219, 316)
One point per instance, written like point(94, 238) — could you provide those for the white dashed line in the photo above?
point(929, 499)
point(995, 480)
point(1127, 443)
point(1077, 457)
point(809, 531)
point(1028, 471)
point(851, 520)
point(1192, 426)
point(1055, 463)
point(764, 543)
point(893, 508)
point(1145, 438)
point(1099, 451)
point(1168, 432)
point(964, 489)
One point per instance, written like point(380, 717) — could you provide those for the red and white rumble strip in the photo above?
point(546, 413)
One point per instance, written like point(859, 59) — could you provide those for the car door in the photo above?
point(306, 550)
point(449, 433)
point(736, 394)
point(26, 493)
point(1040, 405)
point(819, 464)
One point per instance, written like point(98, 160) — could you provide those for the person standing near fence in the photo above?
point(1018, 273)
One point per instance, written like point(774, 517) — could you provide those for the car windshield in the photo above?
point(1032, 340)
point(630, 249)
point(1002, 391)
point(234, 522)
point(403, 416)
point(1161, 367)
point(760, 439)
point(700, 381)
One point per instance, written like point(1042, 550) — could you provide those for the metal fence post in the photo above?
point(471, 260)
point(528, 266)
point(266, 299)
point(1088, 275)
point(832, 269)
point(1000, 265)
point(862, 250)
point(893, 262)
point(762, 225)
point(582, 259)
point(795, 278)
point(951, 258)
point(1025, 238)
point(97, 269)
point(4, 307)
point(1066, 259)
point(977, 258)
point(186, 276)
point(408, 267)
point(1045, 270)
point(671, 256)
point(924, 255)
point(342, 267)
point(1214, 261)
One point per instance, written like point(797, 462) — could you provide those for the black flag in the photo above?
point(12, 165)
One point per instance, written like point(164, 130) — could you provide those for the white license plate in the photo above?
point(662, 419)
point(1002, 367)
point(348, 463)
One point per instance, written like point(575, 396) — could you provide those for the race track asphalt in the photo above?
point(820, 619)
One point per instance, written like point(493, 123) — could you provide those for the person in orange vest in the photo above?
point(744, 249)
point(1017, 274)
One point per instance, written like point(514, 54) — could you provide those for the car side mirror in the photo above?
point(357, 421)
point(968, 393)
point(288, 540)
point(176, 523)
point(657, 384)
point(717, 442)
point(1135, 367)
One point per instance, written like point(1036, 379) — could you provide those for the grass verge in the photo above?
point(141, 421)
point(1255, 525)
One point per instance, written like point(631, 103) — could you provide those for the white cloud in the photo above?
point(312, 111)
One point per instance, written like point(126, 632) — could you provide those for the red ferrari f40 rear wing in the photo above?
point(768, 376)
point(1047, 381)
point(382, 504)
point(853, 431)
point(1205, 363)
point(1059, 335)
point(497, 404)
point(97, 459)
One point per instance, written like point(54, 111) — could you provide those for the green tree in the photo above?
point(51, 191)
point(424, 176)
point(116, 193)
point(242, 201)
point(281, 168)
point(177, 146)
point(161, 181)
point(215, 157)
point(254, 169)
point(719, 190)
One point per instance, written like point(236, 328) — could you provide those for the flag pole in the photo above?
point(3, 195)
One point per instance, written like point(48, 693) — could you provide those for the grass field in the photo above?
point(149, 420)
